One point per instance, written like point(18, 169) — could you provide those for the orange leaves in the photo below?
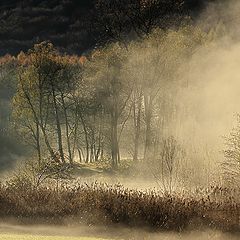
point(22, 59)
point(7, 59)
point(82, 60)
point(41, 52)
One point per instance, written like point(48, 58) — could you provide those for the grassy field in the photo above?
point(101, 204)
point(35, 237)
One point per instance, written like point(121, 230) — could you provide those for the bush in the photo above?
point(32, 175)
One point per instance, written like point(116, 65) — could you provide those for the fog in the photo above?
point(209, 104)
point(11, 150)
point(109, 233)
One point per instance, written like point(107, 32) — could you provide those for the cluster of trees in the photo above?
point(117, 101)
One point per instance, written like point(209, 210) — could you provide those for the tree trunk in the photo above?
point(148, 132)
point(58, 124)
point(38, 145)
point(67, 130)
point(86, 136)
point(39, 123)
point(47, 142)
point(137, 127)
point(98, 150)
point(114, 141)
point(79, 154)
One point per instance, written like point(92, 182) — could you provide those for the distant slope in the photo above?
point(64, 22)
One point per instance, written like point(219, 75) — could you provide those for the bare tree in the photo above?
point(231, 164)
point(166, 167)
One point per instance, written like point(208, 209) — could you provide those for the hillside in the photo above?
point(68, 24)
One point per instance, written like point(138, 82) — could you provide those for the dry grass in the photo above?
point(103, 204)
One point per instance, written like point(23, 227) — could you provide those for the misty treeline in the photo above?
point(117, 102)
point(121, 100)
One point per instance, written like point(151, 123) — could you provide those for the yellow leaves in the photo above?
point(43, 47)
point(96, 54)
point(20, 107)
point(43, 53)
point(22, 58)
point(40, 69)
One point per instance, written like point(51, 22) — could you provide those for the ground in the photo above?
point(35, 237)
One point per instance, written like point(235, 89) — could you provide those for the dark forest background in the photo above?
point(71, 25)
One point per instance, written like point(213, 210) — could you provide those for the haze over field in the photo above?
point(41, 232)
